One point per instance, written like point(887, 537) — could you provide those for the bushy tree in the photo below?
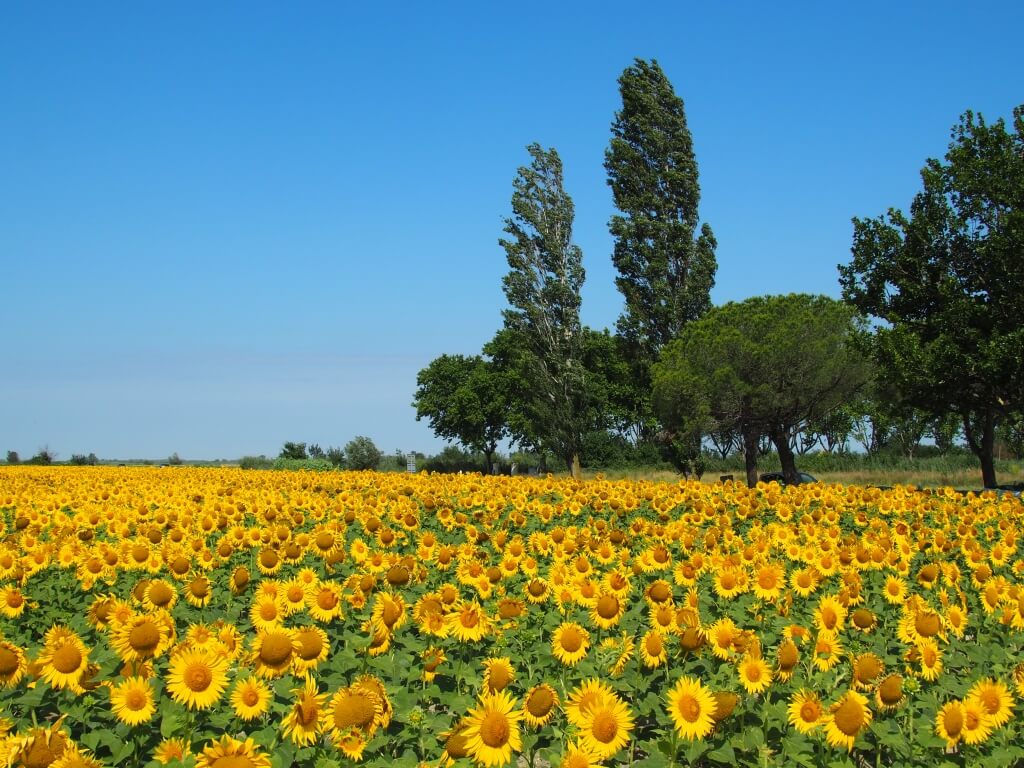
point(361, 453)
point(293, 451)
point(464, 399)
point(336, 456)
point(175, 460)
point(13, 457)
point(944, 283)
point(763, 366)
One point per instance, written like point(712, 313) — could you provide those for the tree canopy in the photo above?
point(944, 284)
point(759, 367)
point(464, 399)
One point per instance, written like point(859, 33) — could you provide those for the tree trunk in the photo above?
point(983, 445)
point(573, 465)
point(750, 440)
point(786, 457)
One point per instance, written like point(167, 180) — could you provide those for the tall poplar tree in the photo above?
point(666, 269)
point(543, 289)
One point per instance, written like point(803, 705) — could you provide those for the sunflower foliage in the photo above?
point(204, 617)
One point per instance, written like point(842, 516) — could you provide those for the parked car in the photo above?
point(779, 478)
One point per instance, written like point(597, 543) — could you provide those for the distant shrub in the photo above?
point(81, 460)
point(255, 462)
point(361, 453)
point(44, 457)
point(13, 457)
point(453, 459)
point(174, 460)
point(311, 465)
point(293, 451)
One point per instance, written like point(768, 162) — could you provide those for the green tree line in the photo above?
point(926, 342)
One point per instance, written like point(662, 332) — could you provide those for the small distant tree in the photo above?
point(174, 460)
point(293, 451)
point(81, 460)
point(315, 451)
point(44, 456)
point(13, 457)
point(361, 453)
point(336, 456)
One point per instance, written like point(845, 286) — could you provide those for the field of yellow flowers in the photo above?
point(228, 619)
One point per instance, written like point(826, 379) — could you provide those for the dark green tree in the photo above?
point(13, 457)
point(464, 399)
point(763, 366)
point(666, 268)
point(944, 282)
point(543, 291)
point(361, 453)
point(293, 451)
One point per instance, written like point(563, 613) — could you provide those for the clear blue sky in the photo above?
point(227, 225)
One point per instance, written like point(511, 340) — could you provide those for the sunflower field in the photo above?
point(220, 618)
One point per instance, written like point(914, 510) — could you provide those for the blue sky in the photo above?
point(224, 226)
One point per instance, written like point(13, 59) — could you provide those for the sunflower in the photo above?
point(456, 746)
point(143, 637)
point(302, 724)
point(607, 610)
point(63, 658)
point(581, 699)
point(578, 755)
point(498, 673)
point(468, 623)
point(388, 613)
point(12, 664)
point(721, 636)
point(996, 699)
point(652, 649)
point(805, 711)
point(230, 751)
point(977, 725)
point(540, 705)
point(949, 722)
point(606, 725)
point(570, 643)
point(804, 581)
point(867, 668)
point(12, 602)
point(830, 615)
point(267, 611)
point(755, 674)
point(240, 578)
point(536, 591)
point(250, 698)
point(769, 579)
point(352, 709)
point(895, 590)
point(313, 647)
point(692, 708)
point(846, 719)
point(787, 657)
point(160, 593)
point(197, 677)
point(40, 746)
point(324, 602)
point(930, 657)
point(132, 700)
point(730, 582)
point(273, 650)
point(889, 694)
point(492, 729)
point(198, 592)
point(827, 651)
